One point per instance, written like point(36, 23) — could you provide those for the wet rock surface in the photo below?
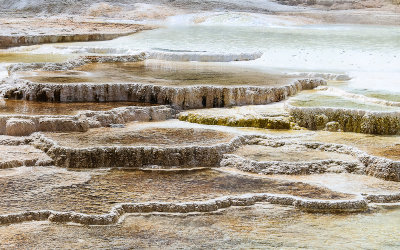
point(272, 116)
point(138, 134)
point(116, 147)
point(20, 107)
point(234, 227)
point(158, 72)
point(22, 155)
point(87, 136)
point(21, 125)
point(97, 192)
point(179, 97)
point(348, 120)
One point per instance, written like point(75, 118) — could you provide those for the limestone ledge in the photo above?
point(14, 141)
point(135, 156)
point(76, 62)
point(14, 163)
point(201, 56)
point(28, 163)
point(217, 155)
point(379, 167)
point(289, 168)
point(326, 76)
point(326, 206)
point(347, 120)
point(185, 97)
point(13, 40)
point(383, 198)
point(277, 122)
point(23, 125)
point(126, 56)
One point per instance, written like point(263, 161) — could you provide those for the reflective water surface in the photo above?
point(261, 226)
point(138, 134)
point(98, 191)
point(314, 98)
point(292, 153)
point(162, 73)
point(368, 54)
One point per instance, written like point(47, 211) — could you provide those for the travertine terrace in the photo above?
point(139, 116)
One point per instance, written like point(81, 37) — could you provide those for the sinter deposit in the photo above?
point(199, 124)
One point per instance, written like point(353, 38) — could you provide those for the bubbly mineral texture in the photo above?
point(348, 120)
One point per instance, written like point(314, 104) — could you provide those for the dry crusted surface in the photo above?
point(15, 32)
point(60, 25)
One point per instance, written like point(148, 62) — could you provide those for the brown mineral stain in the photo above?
point(132, 135)
point(61, 190)
point(162, 73)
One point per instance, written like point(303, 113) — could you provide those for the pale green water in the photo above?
point(370, 54)
point(315, 98)
point(329, 47)
point(374, 93)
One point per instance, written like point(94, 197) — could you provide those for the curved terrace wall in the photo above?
point(187, 97)
point(347, 120)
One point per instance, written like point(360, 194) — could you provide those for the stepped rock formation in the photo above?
point(179, 97)
point(348, 120)
point(21, 125)
point(355, 205)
